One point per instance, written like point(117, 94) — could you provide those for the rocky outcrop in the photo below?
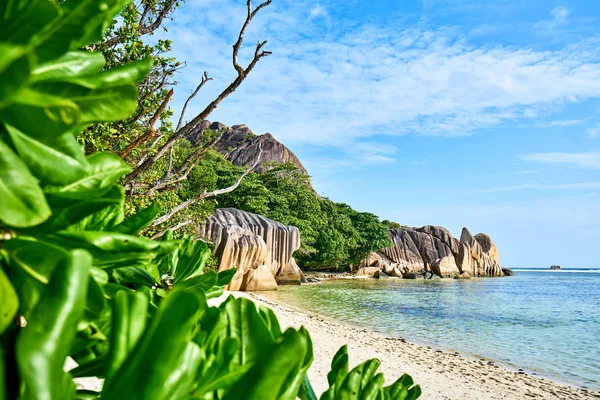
point(261, 249)
point(556, 268)
point(432, 249)
point(368, 272)
point(241, 146)
point(474, 259)
point(507, 272)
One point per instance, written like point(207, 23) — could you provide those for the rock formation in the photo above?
point(240, 146)
point(556, 268)
point(432, 249)
point(261, 249)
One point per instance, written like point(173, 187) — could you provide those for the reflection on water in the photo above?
point(544, 323)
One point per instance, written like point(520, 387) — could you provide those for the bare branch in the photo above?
point(184, 170)
point(205, 195)
point(176, 227)
point(151, 133)
point(203, 115)
point(240, 40)
point(205, 79)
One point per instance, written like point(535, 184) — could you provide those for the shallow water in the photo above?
point(547, 323)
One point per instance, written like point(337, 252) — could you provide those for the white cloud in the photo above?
point(593, 131)
point(560, 13)
point(333, 87)
point(562, 123)
point(559, 16)
point(318, 11)
point(583, 159)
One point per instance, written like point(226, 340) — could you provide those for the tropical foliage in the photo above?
point(75, 278)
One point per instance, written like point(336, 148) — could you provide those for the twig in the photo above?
point(205, 79)
point(151, 133)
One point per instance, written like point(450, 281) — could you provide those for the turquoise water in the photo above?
point(547, 323)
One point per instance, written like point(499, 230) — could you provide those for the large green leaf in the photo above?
point(105, 171)
point(15, 65)
point(281, 371)
point(168, 339)
point(31, 263)
point(248, 327)
point(114, 250)
point(192, 256)
point(26, 22)
point(129, 312)
point(22, 202)
point(99, 104)
point(72, 64)
point(84, 22)
point(84, 212)
point(138, 221)
point(34, 113)
point(9, 304)
point(54, 160)
point(44, 343)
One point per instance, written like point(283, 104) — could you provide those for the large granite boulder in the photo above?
point(260, 248)
point(432, 249)
point(241, 146)
point(474, 259)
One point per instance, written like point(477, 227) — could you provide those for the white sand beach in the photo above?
point(442, 375)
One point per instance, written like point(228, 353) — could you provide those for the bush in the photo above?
point(76, 280)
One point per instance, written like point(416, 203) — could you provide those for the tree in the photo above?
point(136, 139)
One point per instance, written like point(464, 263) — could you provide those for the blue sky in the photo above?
point(474, 113)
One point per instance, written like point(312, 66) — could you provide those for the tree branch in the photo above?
point(205, 195)
point(183, 131)
point(179, 225)
point(205, 79)
point(151, 133)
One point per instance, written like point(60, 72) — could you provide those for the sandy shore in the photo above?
point(442, 375)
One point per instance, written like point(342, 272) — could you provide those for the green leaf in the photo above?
point(31, 264)
point(44, 343)
point(22, 202)
point(168, 339)
point(106, 169)
point(133, 276)
point(102, 104)
point(121, 75)
point(281, 371)
point(9, 304)
point(138, 221)
point(129, 312)
point(84, 22)
point(34, 113)
point(24, 22)
point(202, 282)
point(192, 256)
point(225, 276)
point(72, 64)
point(114, 250)
point(54, 160)
point(15, 66)
point(98, 212)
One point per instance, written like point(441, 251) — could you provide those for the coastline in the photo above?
point(441, 374)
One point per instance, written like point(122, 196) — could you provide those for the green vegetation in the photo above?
point(391, 224)
point(333, 234)
point(77, 281)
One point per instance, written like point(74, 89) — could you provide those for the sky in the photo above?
point(484, 114)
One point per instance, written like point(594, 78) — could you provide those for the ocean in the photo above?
point(545, 322)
